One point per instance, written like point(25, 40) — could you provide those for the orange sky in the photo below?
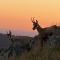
point(15, 14)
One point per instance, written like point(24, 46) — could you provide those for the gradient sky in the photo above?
point(16, 14)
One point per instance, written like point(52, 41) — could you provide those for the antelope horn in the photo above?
point(32, 19)
point(36, 21)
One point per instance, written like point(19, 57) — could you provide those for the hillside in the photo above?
point(5, 42)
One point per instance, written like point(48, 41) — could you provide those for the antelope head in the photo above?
point(35, 23)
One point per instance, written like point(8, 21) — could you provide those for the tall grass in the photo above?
point(44, 54)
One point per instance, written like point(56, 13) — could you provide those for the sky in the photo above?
point(16, 15)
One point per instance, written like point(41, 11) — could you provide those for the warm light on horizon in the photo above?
point(16, 14)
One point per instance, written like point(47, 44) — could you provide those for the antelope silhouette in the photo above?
point(42, 32)
point(11, 48)
point(15, 47)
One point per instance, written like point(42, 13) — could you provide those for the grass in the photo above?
point(37, 54)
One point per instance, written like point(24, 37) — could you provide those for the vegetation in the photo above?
point(45, 54)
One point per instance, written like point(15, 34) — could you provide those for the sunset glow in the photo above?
point(16, 14)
